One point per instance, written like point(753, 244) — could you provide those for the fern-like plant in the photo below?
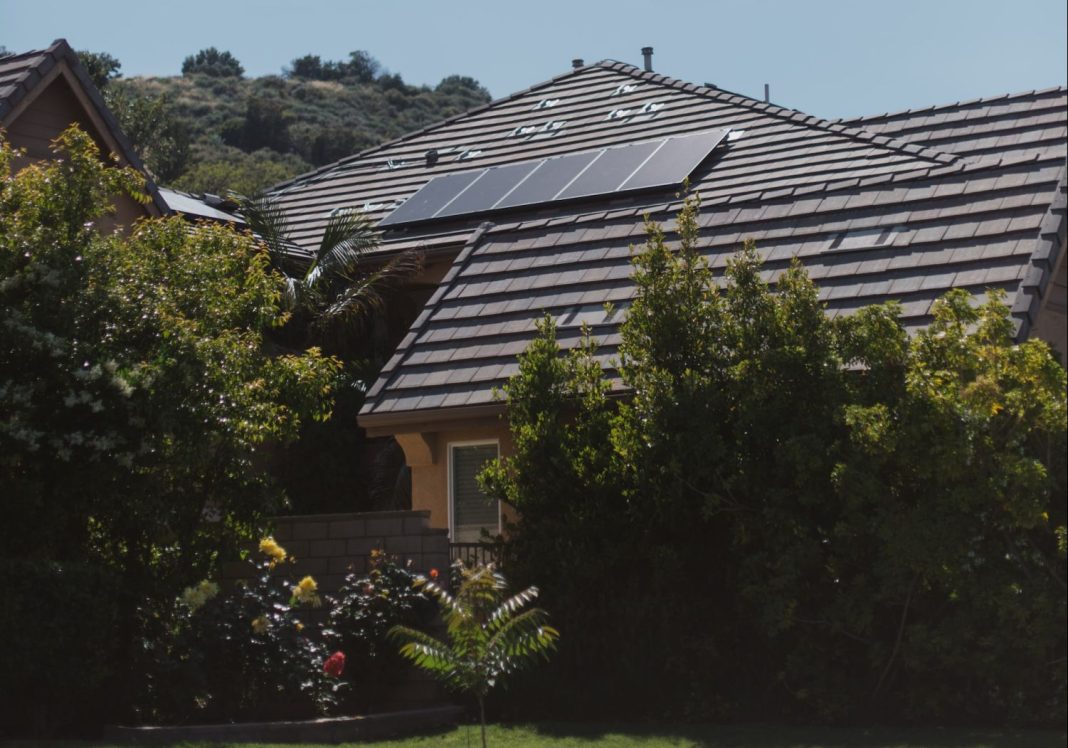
point(489, 635)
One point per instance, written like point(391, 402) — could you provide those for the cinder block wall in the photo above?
point(327, 546)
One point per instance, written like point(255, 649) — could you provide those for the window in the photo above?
point(470, 510)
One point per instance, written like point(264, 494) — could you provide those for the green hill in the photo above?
point(209, 132)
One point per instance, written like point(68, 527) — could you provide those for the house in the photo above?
point(530, 204)
point(45, 91)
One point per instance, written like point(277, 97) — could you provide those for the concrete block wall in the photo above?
point(328, 546)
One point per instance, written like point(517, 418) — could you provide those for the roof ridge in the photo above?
point(326, 168)
point(794, 115)
point(953, 105)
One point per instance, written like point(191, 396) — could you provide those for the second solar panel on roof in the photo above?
point(641, 166)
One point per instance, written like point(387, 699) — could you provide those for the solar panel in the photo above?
point(608, 172)
point(553, 175)
point(654, 164)
point(494, 184)
point(431, 198)
point(675, 161)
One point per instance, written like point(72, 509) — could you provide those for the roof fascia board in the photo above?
point(423, 421)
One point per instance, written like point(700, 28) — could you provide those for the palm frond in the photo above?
point(267, 221)
point(347, 237)
point(361, 296)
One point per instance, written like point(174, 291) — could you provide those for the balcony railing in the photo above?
point(474, 554)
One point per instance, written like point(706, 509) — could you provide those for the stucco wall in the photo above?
point(427, 454)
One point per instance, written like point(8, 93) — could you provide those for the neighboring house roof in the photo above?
point(195, 207)
point(873, 218)
point(23, 77)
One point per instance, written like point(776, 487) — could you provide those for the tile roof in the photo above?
point(872, 217)
point(1022, 123)
point(20, 75)
point(604, 104)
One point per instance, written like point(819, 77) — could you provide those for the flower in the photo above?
point(298, 626)
point(272, 550)
point(335, 664)
point(433, 573)
point(195, 597)
point(259, 624)
point(306, 591)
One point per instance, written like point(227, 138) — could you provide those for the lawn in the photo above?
point(615, 736)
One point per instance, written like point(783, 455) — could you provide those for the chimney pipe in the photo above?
point(647, 53)
point(767, 93)
point(577, 63)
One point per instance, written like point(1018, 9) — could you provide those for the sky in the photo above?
point(831, 58)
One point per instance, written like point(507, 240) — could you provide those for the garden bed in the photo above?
point(325, 730)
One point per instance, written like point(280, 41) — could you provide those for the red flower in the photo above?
point(433, 573)
point(335, 664)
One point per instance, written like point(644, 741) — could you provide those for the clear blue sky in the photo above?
point(831, 58)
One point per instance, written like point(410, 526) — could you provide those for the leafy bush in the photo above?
point(795, 517)
point(243, 653)
point(366, 607)
point(59, 622)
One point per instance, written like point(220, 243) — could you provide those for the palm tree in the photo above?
point(336, 295)
point(488, 635)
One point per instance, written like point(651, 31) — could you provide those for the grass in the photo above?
point(566, 735)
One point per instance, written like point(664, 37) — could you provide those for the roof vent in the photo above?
point(431, 157)
point(647, 55)
point(546, 104)
point(864, 239)
point(577, 63)
point(469, 153)
point(624, 88)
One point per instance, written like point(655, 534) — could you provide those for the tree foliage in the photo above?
point(157, 133)
point(101, 66)
point(136, 393)
point(213, 63)
point(795, 516)
point(490, 636)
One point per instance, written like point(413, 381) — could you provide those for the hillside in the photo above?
point(234, 133)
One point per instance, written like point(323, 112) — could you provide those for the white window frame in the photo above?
point(449, 481)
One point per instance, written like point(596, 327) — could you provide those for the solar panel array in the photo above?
point(641, 166)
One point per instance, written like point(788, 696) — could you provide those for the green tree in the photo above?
point(159, 135)
point(265, 125)
point(490, 636)
point(827, 519)
point(101, 66)
point(212, 62)
point(136, 390)
point(231, 170)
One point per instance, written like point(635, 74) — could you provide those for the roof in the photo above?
point(604, 104)
point(202, 206)
point(872, 217)
point(23, 76)
point(1023, 123)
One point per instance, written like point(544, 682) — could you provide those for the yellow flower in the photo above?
point(195, 597)
point(299, 626)
point(272, 550)
point(259, 625)
point(306, 591)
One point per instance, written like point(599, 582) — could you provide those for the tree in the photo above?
point(488, 637)
point(137, 392)
point(159, 135)
point(361, 66)
point(265, 125)
point(826, 519)
point(214, 63)
point(228, 169)
point(102, 67)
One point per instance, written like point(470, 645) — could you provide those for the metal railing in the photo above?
point(474, 554)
